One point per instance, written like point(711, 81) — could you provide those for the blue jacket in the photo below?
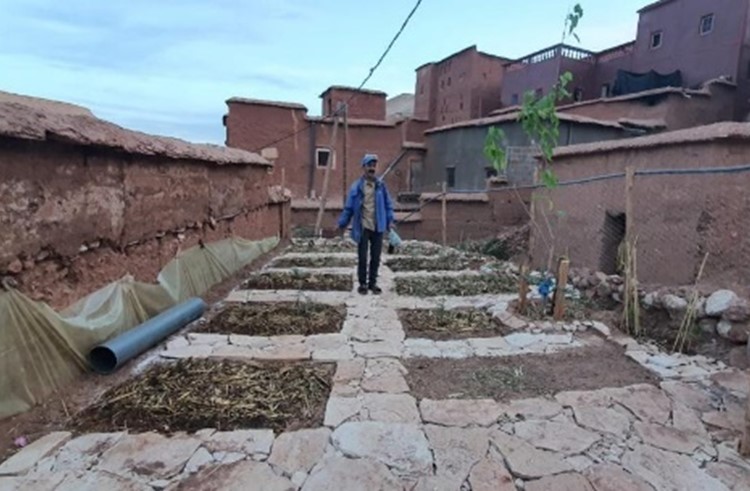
point(353, 208)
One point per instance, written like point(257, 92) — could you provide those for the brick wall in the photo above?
point(677, 218)
point(75, 218)
point(364, 104)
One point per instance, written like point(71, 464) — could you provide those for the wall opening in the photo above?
point(323, 157)
point(613, 234)
point(450, 177)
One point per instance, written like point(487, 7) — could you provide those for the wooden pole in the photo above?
point(629, 218)
point(346, 155)
point(745, 443)
point(324, 192)
point(629, 297)
point(563, 266)
point(523, 288)
point(444, 215)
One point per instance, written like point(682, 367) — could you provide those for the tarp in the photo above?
point(42, 350)
point(631, 82)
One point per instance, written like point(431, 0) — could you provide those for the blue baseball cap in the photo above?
point(368, 159)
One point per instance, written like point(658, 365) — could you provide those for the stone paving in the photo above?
point(681, 435)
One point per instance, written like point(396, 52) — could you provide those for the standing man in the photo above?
point(369, 208)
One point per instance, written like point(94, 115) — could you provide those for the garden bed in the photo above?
point(193, 394)
point(440, 324)
point(315, 245)
point(580, 309)
point(465, 285)
point(276, 318)
point(420, 249)
point(518, 377)
point(443, 262)
point(299, 280)
point(314, 262)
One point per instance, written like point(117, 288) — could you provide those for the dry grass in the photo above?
point(467, 285)
point(277, 318)
point(450, 324)
point(193, 394)
point(299, 280)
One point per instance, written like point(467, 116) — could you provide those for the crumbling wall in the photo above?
point(74, 218)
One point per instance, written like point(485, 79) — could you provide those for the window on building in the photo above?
point(323, 157)
point(578, 94)
point(450, 177)
point(461, 105)
point(707, 24)
point(656, 39)
point(605, 91)
point(449, 81)
point(514, 99)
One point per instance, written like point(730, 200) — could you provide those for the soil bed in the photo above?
point(420, 249)
point(299, 280)
point(582, 309)
point(276, 318)
point(444, 262)
point(466, 285)
point(443, 324)
point(311, 246)
point(314, 262)
point(192, 394)
point(519, 377)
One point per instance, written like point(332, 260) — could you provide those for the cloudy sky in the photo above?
point(167, 66)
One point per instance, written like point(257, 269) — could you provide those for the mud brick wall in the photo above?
point(677, 218)
point(474, 218)
point(74, 218)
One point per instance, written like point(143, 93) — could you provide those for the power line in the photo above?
point(367, 78)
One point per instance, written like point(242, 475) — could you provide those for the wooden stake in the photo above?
point(324, 192)
point(444, 215)
point(523, 288)
point(745, 443)
point(563, 266)
point(629, 218)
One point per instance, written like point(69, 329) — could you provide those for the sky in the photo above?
point(168, 66)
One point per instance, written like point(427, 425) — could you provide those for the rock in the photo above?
point(738, 311)
point(598, 278)
point(490, 474)
point(299, 478)
point(645, 401)
point(687, 421)
point(249, 442)
point(339, 473)
point(603, 290)
point(602, 419)
point(608, 477)
point(402, 447)
point(719, 302)
point(416, 348)
point(456, 412)
point(200, 458)
point(601, 328)
point(737, 333)
point(561, 437)
point(650, 300)
point(668, 438)
point(209, 339)
point(149, 454)
point(377, 349)
point(456, 450)
point(536, 408)
point(730, 419)
point(160, 484)
point(94, 480)
point(239, 476)
point(194, 351)
point(708, 325)
point(560, 482)
point(526, 461)
point(15, 267)
point(341, 409)
point(28, 456)
point(390, 408)
point(384, 375)
point(735, 478)
point(349, 371)
point(82, 452)
point(674, 304)
point(690, 395)
point(523, 339)
point(299, 451)
point(667, 470)
point(734, 381)
point(666, 361)
point(579, 462)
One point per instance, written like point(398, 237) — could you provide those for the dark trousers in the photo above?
point(373, 241)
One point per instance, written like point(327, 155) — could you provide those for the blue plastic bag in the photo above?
point(393, 239)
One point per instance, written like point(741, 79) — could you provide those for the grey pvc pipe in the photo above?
point(108, 357)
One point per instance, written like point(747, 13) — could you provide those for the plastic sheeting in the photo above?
point(42, 350)
point(630, 82)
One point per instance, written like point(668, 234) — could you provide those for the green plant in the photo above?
point(538, 117)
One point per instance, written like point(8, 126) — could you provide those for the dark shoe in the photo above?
point(362, 290)
point(376, 289)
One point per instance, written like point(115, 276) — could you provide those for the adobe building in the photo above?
point(302, 146)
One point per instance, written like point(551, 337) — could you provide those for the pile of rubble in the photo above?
point(722, 312)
